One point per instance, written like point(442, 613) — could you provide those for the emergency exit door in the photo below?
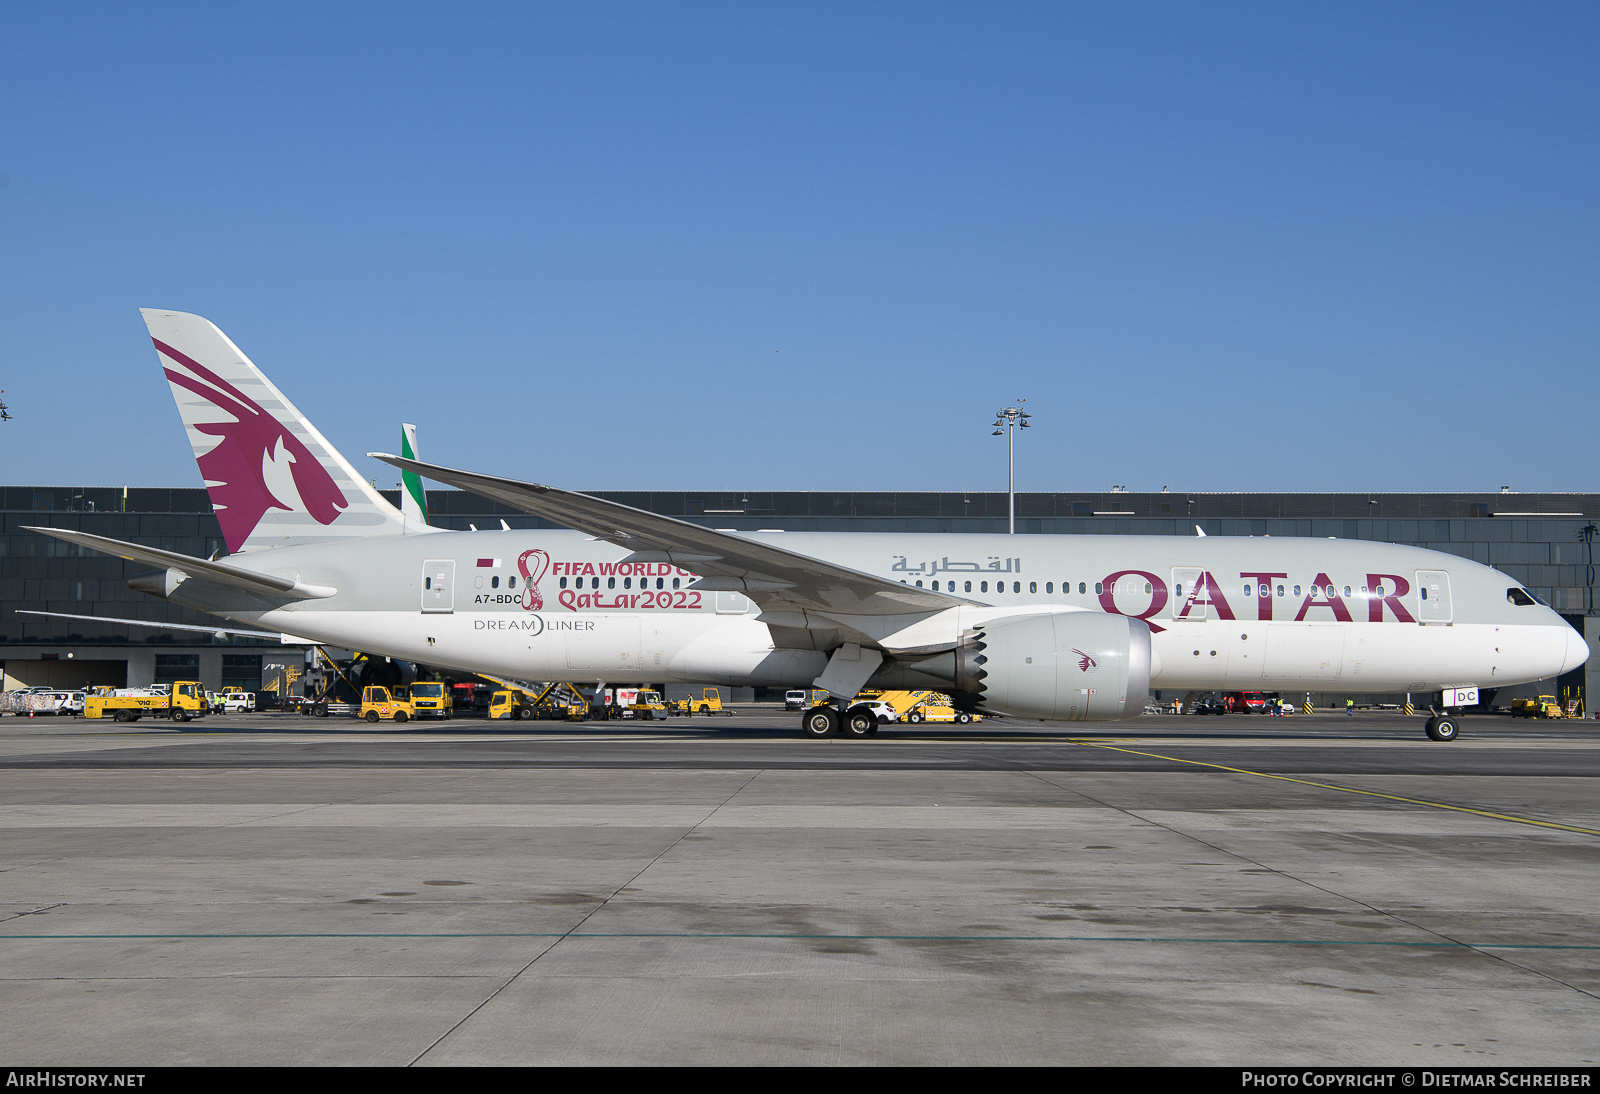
point(1433, 597)
point(439, 585)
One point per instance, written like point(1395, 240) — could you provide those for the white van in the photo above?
point(794, 700)
point(239, 702)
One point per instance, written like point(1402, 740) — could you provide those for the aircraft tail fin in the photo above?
point(273, 479)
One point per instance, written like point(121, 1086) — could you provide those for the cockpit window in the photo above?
point(1519, 596)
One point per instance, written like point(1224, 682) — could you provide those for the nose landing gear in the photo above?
point(1444, 725)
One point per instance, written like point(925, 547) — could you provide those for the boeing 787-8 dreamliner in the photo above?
point(1054, 627)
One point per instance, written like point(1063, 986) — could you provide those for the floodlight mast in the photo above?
point(1006, 423)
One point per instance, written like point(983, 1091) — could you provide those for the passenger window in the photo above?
point(1099, 588)
point(1033, 586)
point(661, 583)
point(985, 586)
point(1346, 590)
point(627, 583)
point(1280, 590)
point(675, 582)
point(1049, 587)
point(563, 583)
point(1083, 587)
point(427, 583)
point(1297, 590)
point(968, 586)
point(511, 583)
point(919, 583)
point(1249, 590)
point(1378, 591)
point(1423, 592)
point(611, 583)
point(494, 582)
point(1147, 587)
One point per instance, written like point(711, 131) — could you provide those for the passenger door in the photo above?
point(1433, 597)
point(1184, 579)
point(439, 585)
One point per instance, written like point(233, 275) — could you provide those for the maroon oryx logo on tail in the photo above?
point(1085, 662)
point(235, 470)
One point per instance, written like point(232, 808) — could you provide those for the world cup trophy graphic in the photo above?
point(531, 600)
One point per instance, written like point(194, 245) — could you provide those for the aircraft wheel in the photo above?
point(372, 716)
point(400, 716)
point(819, 722)
point(1443, 729)
point(859, 722)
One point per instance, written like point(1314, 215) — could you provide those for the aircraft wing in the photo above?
point(772, 577)
point(223, 573)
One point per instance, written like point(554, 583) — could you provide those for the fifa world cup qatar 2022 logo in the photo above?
point(533, 565)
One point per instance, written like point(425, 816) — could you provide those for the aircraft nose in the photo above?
point(1577, 651)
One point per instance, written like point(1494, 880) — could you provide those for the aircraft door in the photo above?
point(1433, 597)
point(1184, 580)
point(439, 585)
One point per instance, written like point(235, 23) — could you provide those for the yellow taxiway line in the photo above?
point(1349, 789)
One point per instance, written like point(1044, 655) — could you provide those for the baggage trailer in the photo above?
point(187, 699)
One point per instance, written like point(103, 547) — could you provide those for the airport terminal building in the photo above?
point(1544, 541)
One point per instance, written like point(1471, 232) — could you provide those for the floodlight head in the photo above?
point(998, 433)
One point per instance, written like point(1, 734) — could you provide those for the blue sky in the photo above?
point(814, 246)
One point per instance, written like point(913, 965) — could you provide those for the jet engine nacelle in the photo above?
point(1065, 667)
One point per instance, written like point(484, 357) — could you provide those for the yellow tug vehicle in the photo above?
point(186, 700)
point(378, 703)
point(1545, 706)
point(710, 702)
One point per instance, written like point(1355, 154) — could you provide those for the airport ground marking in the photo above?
point(1349, 789)
point(1433, 944)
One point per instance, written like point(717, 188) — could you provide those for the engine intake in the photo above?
point(1066, 667)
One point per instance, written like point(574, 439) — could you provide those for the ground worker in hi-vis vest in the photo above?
point(1349, 708)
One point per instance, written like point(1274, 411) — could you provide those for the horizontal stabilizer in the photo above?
point(222, 573)
point(771, 576)
point(286, 639)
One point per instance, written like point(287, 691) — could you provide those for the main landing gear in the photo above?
point(826, 721)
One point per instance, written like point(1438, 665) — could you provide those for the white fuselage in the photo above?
point(1225, 613)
